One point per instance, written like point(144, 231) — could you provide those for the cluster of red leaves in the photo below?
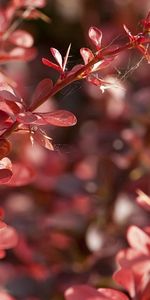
point(14, 113)
point(17, 116)
point(134, 268)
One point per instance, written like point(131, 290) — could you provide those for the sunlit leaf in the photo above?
point(59, 118)
point(138, 239)
point(143, 200)
point(96, 37)
point(87, 55)
point(57, 56)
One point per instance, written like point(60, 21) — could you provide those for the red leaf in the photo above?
point(21, 38)
point(87, 55)
point(14, 103)
point(143, 200)
point(42, 139)
point(35, 3)
point(125, 278)
point(57, 56)
point(111, 294)
point(82, 292)
point(96, 37)
point(85, 292)
point(138, 239)
point(50, 64)
point(22, 174)
point(8, 237)
point(22, 54)
point(59, 118)
point(42, 91)
point(5, 170)
point(7, 96)
point(18, 54)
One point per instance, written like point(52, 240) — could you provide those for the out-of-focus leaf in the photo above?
point(5, 296)
point(143, 200)
point(18, 54)
point(21, 38)
point(125, 278)
point(138, 239)
point(34, 3)
point(8, 236)
point(22, 174)
point(5, 170)
point(85, 292)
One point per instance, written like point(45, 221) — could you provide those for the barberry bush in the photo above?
point(74, 150)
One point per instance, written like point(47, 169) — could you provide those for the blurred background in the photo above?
point(73, 218)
